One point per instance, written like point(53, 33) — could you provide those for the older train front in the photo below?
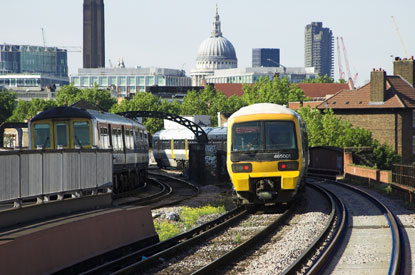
point(267, 153)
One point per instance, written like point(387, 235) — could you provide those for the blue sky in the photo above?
point(165, 33)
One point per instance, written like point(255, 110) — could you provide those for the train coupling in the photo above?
point(265, 196)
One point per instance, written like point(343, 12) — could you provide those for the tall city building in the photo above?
point(265, 57)
point(318, 49)
point(94, 39)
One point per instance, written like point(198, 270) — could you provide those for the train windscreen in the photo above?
point(264, 140)
point(41, 133)
point(81, 133)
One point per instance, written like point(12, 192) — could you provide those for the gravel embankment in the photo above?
point(274, 255)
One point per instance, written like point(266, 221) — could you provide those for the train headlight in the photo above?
point(288, 166)
point(241, 167)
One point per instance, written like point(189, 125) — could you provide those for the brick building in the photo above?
point(385, 106)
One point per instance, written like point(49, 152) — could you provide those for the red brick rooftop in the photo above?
point(398, 94)
point(312, 90)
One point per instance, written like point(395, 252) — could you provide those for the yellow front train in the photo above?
point(267, 153)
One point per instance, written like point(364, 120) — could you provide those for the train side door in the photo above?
point(61, 133)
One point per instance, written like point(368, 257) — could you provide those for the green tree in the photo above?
point(67, 95)
point(70, 94)
point(7, 104)
point(143, 102)
point(25, 110)
point(278, 91)
point(320, 79)
point(209, 101)
point(325, 129)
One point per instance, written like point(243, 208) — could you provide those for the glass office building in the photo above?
point(262, 57)
point(129, 81)
point(15, 59)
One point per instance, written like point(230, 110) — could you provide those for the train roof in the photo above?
point(263, 108)
point(74, 112)
point(184, 133)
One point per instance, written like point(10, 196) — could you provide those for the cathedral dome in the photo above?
point(216, 48)
point(216, 52)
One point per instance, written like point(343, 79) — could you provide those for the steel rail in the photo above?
point(396, 260)
point(397, 239)
point(166, 191)
point(337, 209)
point(141, 258)
point(231, 255)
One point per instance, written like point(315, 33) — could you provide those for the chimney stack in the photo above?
point(377, 86)
point(405, 68)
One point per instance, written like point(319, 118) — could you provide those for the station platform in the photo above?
point(67, 232)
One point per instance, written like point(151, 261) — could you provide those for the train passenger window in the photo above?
point(279, 135)
point(61, 134)
point(41, 134)
point(81, 133)
point(247, 136)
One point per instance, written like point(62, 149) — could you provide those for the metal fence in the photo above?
point(39, 174)
point(403, 174)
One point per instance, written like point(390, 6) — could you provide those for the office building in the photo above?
point(318, 48)
point(16, 59)
point(252, 75)
point(129, 81)
point(94, 34)
point(262, 57)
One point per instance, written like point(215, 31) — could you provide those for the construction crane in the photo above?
point(67, 48)
point(44, 37)
point(346, 60)
point(341, 73)
point(400, 37)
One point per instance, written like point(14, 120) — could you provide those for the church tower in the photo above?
point(93, 40)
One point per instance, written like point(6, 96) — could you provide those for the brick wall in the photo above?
point(392, 128)
point(381, 124)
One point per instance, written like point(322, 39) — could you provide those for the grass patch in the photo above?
point(188, 219)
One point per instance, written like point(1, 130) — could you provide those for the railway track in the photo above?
point(160, 191)
point(208, 248)
point(367, 245)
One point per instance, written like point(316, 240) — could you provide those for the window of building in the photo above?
point(131, 81)
point(94, 80)
point(104, 81)
point(132, 89)
point(75, 81)
point(113, 80)
point(142, 88)
point(122, 80)
point(151, 80)
point(160, 80)
point(84, 81)
point(141, 80)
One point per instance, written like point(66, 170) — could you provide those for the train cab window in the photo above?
point(61, 129)
point(81, 133)
point(41, 134)
point(279, 135)
point(247, 136)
